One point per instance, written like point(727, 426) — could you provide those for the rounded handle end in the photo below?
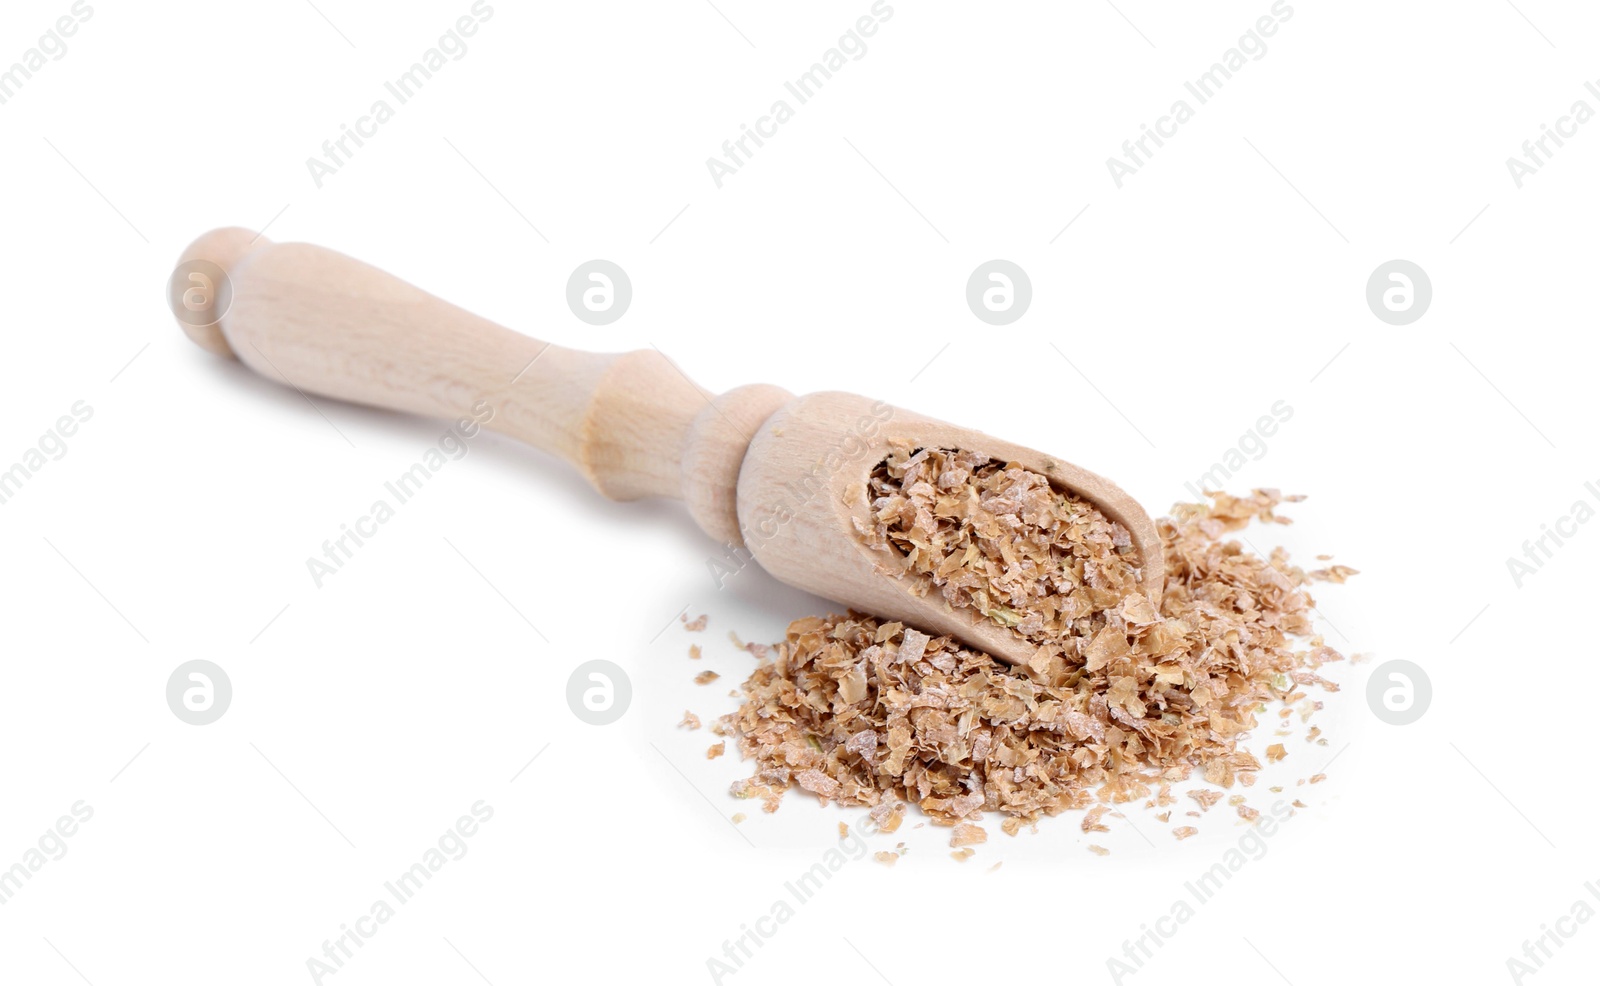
point(200, 290)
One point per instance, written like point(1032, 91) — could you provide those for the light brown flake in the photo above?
point(690, 720)
point(1184, 831)
point(1333, 573)
point(706, 677)
point(888, 815)
point(817, 783)
point(716, 750)
point(968, 834)
point(695, 625)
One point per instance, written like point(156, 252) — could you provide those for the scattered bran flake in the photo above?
point(995, 866)
point(1298, 803)
point(1164, 817)
point(887, 858)
point(1248, 813)
point(968, 834)
point(694, 652)
point(1091, 819)
point(1184, 831)
point(1276, 752)
point(1121, 699)
point(1100, 850)
point(844, 831)
point(690, 720)
point(716, 750)
point(962, 855)
point(1011, 826)
point(695, 625)
point(706, 677)
point(1236, 801)
point(1318, 778)
point(1313, 733)
point(1333, 573)
point(738, 817)
point(888, 814)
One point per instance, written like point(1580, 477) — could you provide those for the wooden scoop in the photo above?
point(784, 477)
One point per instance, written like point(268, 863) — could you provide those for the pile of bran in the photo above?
point(1121, 701)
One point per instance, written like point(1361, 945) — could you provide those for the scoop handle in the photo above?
point(632, 423)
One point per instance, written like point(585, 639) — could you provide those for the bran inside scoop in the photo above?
point(1002, 540)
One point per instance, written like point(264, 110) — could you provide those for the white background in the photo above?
point(1228, 274)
